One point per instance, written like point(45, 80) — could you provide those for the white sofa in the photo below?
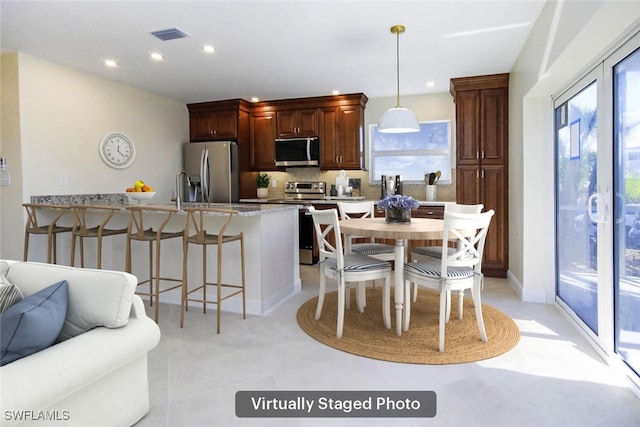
point(96, 375)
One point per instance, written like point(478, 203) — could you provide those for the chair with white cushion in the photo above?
point(455, 271)
point(424, 253)
point(345, 268)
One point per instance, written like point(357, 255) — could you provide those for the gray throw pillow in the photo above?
point(9, 294)
point(33, 324)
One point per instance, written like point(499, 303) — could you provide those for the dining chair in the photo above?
point(346, 268)
point(136, 232)
point(364, 209)
point(201, 219)
point(455, 271)
point(424, 253)
point(383, 251)
point(50, 227)
point(82, 228)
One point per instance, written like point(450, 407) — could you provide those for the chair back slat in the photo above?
point(326, 225)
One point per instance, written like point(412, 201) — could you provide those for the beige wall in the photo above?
point(568, 38)
point(53, 127)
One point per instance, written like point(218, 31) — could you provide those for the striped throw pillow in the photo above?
point(9, 294)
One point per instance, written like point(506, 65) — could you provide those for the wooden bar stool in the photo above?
point(195, 219)
point(136, 231)
point(51, 229)
point(81, 229)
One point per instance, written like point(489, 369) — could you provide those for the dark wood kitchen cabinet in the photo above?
point(297, 123)
point(218, 120)
point(482, 163)
point(263, 134)
point(214, 125)
point(341, 130)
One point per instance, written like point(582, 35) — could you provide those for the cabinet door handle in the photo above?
point(477, 154)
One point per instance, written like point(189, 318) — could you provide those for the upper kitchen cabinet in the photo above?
point(341, 137)
point(481, 164)
point(297, 123)
point(263, 135)
point(221, 120)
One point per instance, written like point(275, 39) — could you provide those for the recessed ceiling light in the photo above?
point(110, 63)
point(255, 99)
point(208, 48)
point(430, 84)
point(156, 56)
point(335, 92)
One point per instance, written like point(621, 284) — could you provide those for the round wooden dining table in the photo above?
point(417, 229)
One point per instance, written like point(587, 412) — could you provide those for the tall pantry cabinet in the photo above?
point(481, 161)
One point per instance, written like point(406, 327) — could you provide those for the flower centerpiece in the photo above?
point(398, 207)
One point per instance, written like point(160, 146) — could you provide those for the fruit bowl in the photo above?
point(139, 196)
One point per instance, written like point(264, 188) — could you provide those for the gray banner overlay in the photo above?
point(335, 404)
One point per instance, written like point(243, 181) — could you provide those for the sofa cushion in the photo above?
point(33, 324)
point(9, 294)
point(96, 297)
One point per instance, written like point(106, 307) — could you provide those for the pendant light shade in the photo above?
point(398, 119)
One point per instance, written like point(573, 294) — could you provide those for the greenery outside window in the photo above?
point(411, 155)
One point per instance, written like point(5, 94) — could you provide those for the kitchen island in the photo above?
point(271, 249)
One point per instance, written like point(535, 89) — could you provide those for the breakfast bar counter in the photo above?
point(271, 248)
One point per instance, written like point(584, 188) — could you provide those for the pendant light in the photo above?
point(398, 119)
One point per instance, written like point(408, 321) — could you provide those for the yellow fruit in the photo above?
point(139, 184)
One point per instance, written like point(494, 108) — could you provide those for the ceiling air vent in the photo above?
point(169, 34)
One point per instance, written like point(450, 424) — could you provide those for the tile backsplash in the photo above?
point(445, 192)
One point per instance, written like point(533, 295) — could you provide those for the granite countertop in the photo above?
point(122, 201)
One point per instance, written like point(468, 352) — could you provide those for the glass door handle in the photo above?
point(601, 208)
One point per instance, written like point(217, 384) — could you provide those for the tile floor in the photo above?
point(551, 378)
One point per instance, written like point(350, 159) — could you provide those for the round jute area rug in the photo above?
point(364, 334)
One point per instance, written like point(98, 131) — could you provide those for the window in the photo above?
point(411, 155)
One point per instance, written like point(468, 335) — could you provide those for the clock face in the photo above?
point(117, 150)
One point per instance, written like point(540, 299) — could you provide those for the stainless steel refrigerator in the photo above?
point(212, 172)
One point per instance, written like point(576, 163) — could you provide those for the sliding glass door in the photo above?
point(597, 171)
point(626, 130)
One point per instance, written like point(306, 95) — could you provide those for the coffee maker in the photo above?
point(391, 184)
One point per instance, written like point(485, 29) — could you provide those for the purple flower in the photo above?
point(398, 201)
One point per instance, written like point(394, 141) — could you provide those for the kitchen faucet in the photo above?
point(179, 188)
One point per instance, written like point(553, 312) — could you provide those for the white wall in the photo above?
point(568, 38)
point(62, 114)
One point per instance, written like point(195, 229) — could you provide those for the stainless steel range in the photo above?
point(304, 192)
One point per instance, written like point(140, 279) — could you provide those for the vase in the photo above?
point(263, 193)
point(397, 215)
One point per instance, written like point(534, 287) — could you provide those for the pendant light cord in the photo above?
point(398, 68)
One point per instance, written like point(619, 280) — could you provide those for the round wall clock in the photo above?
point(117, 150)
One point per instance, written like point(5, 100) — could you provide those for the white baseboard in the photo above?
point(526, 295)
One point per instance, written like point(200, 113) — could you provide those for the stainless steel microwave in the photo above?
point(298, 152)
